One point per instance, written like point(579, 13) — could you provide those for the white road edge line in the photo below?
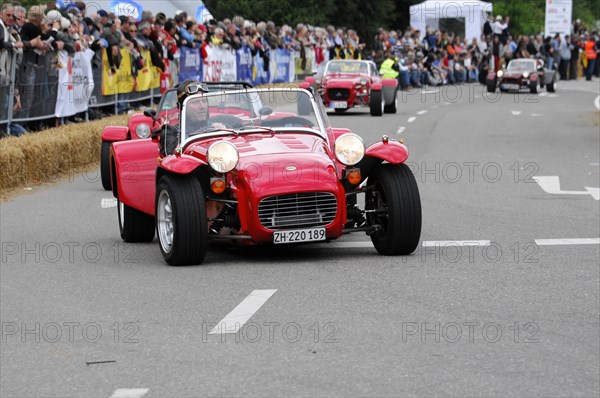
point(243, 312)
point(412, 119)
point(553, 242)
point(597, 102)
point(107, 203)
point(129, 393)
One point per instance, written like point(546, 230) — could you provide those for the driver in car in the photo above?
point(197, 112)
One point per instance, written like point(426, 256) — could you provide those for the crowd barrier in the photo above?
point(59, 86)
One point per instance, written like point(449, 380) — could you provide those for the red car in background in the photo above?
point(273, 172)
point(346, 84)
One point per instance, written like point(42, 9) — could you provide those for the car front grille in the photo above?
point(338, 94)
point(298, 210)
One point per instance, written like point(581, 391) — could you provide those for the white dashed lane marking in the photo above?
point(536, 115)
point(597, 102)
point(422, 112)
point(400, 130)
point(516, 113)
point(243, 312)
point(108, 203)
point(129, 393)
point(561, 242)
point(412, 119)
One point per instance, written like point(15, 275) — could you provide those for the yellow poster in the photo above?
point(149, 76)
point(120, 82)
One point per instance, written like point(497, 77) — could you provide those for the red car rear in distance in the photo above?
point(274, 171)
point(346, 84)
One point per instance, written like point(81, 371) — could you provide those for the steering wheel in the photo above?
point(228, 120)
point(287, 121)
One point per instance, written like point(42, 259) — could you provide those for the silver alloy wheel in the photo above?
point(164, 219)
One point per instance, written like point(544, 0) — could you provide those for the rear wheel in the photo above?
point(181, 223)
point(376, 103)
point(134, 225)
point(105, 165)
point(396, 207)
point(491, 86)
point(393, 106)
point(550, 87)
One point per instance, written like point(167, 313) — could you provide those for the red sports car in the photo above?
point(259, 166)
point(522, 74)
point(139, 127)
point(346, 84)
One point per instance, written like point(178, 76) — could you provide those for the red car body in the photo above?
point(288, 179)
point(347, 84)
point(522, 74)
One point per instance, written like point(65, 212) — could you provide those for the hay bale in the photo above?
point(42, 157)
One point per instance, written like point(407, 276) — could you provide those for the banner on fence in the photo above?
point(260, 71)
point(190, 64)
point(282, 67)
point(149, 76)
point(219, 65)
point(121, 82)
point(75, 83)
point(244, 62)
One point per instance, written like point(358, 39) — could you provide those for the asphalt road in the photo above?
point(507, 309)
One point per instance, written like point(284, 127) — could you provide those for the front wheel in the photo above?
point(396, 207)
point(376, 103)
point(550, 87)
point(181, 223)
point(105, 165)
point(533, 87)
point(491, 86)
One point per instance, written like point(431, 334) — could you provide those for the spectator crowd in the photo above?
point(437, 59)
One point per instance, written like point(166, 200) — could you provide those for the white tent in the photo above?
point(429, 13)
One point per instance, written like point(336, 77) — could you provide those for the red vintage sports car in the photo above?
point(522, 74)
point(346, 84)
point(139, 127)
point(259, 166)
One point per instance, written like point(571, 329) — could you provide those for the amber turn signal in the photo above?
point(218, 186)
point(353, 176)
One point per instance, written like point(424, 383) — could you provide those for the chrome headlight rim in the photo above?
point(363, 82)
point(349, 149)
point(217, 161)
point(142, 130)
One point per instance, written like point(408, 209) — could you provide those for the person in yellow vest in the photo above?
point(590, 50)
point(389, 68)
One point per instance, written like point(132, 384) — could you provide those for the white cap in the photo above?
point(64, 23)
point(54, 15)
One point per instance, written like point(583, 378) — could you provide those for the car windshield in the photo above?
point(276, 110)
point(353, 67)
point(521, 66)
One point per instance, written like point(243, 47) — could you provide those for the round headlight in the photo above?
point(525, 75)
point(349, 149)
point(500, 73)
point(363, 82)
point(222, 156)
point(142, 130)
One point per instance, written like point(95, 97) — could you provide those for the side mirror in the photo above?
point(151, 113)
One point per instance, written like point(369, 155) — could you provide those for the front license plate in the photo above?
point(338, 104)
point(299, 235)
point(511, 87)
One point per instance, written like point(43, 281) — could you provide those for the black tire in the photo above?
point(550, 87)
point(105, 165)
point(397, 191)
point(533, 87)
point(376, 103)
point(491, 86)
point(134, 225)
point(393, 107)
point(186, 219)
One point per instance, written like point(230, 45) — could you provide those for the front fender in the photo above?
point(310, 80)
point(183, 164)
point(114, 133)
point(391, 151)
